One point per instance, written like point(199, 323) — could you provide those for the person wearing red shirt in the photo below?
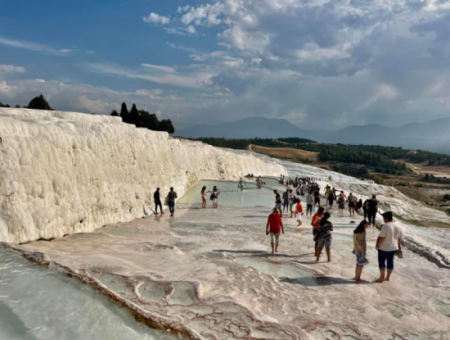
point(274, 227)
point(315, 224)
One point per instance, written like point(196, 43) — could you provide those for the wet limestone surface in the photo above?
point(210, 270)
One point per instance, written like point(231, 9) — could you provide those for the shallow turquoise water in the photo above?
point(40, 303)
point(230, 196)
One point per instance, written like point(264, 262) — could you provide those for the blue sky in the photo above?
point(316, 63)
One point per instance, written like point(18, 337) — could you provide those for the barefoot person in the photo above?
point(241, 184)
point(360, 248)
point(157, 199)
point(315, 224)
point(325, 229)
point(278, 202)
point(299, 212)
point(389, 242)
point(309, 204)
point(274, 227)
point(372, 208)
point(203, 193)
point(172, 196)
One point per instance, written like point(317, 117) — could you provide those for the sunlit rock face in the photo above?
point(67, 172)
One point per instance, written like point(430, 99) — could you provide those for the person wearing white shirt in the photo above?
point(389, 242)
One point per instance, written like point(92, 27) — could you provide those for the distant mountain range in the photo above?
point(432, 136)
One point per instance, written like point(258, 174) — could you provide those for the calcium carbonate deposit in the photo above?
point(204, 274)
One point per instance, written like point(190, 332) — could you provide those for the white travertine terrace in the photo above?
point(67, 172)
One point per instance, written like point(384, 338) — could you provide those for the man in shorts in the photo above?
point(274, 227)
point(309, 204)
point(278, 202)
point(389, 242)
point(315, 224)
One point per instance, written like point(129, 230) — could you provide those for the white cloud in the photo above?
point(161, 68)
point(193, 80)
point(156, 19)
point(204, 15)
point(32, 46)
point(190, 30)
point(322, 54)
point(4, 69)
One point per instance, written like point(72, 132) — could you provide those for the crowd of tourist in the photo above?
point(289, 204)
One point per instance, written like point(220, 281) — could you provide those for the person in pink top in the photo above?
point(274, 227)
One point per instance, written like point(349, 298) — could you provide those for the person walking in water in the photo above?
point(278, 202)
point(274, 227)
point(309, 204)
point(351, 200)
point(215, 197)
point(157, 200)
point(325, 229)
point(203, 193)
point(286, 200)
point(172, 196)
point(299, 212)
point(372, 208)
point(241, 184)
point(315, 225)
point(389, 242)
point(360, 248)
point(317, 197)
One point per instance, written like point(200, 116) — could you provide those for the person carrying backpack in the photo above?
point(171, 197)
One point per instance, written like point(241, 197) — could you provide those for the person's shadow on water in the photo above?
point(319, 281)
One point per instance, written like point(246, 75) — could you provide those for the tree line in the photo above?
point(329, 153)
point(139, 118)
point(142, 118)
point(37, 103)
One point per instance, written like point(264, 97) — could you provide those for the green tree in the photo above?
point(114, 113)
point(134, 115)
point(166, 125)
point(39, 103)
point(124, 113)
point(4, 105)
point(148, 120)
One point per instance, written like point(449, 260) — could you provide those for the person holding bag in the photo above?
point(360, 248)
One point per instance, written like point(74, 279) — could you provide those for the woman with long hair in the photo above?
point(203, 193)
point(360, 248)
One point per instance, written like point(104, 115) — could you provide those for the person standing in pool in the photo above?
point(258, 183)
point(274, 227)
point(325, 229)
point(372, 208)
point(203, 193)
point(157, 199)
point(278, 202)
point(389, 242)
point(215, 197)
point(317, 197)
point(309, 204)
point(291, 198)
point(351, 204)
point(241, 184)
point(315, 225)
point(360, 248)
point(172, 196)
point(286, 200)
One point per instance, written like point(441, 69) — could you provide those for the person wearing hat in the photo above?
point(389, 242)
